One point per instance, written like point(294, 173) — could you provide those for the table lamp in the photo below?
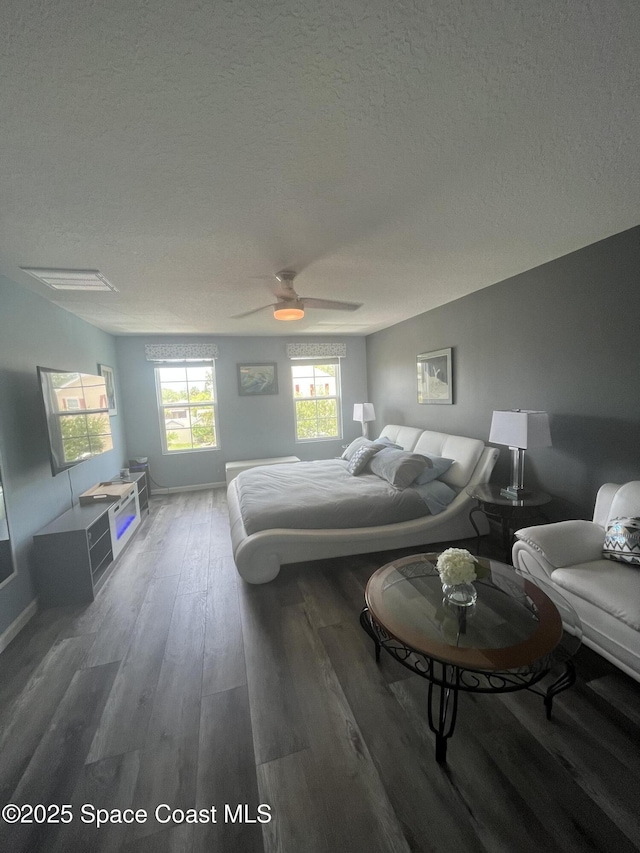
point(519, 430)
point(364, 412)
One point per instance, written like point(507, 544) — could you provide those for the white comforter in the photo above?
point(321, 495)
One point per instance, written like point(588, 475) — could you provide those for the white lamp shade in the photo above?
point(523, 429)
point(363, 412)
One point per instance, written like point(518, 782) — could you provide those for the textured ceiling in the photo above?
point(397, 154)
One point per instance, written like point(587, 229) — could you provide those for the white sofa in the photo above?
point(258, 556)
point(604, 593)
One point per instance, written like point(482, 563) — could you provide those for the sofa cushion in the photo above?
point(565, 543)
point(613, 587)
point(622, 541)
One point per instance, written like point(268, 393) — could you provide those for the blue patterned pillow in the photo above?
point(622, 540)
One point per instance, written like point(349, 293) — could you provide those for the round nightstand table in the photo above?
point(505, 510)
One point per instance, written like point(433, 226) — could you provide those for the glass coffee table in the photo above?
point(519, 635)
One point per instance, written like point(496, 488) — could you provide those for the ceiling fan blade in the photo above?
point(331, 304)
point(254, 311)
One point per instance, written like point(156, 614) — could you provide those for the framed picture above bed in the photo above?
point(257, 380)
point(435, 377)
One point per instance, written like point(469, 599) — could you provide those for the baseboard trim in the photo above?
point(18, 624)
point(198, 488)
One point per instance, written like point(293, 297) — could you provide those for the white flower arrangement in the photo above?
point(457, 565)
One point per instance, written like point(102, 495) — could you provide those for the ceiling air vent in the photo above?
point(92, 280)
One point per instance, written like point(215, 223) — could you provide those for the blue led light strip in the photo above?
point(123, 524)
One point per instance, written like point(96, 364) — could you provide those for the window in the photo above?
point(187, 403)
point(316, 398)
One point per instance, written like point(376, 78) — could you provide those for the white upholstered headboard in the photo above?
point(464, 451)
point(405, 436)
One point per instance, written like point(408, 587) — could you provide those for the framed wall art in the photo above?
point(257, 380)
point(435, 377)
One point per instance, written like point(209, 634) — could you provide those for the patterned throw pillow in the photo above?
point(356, 444)
point(360, 459)
point(622, 540)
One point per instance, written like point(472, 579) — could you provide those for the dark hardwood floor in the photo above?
point(181, 685)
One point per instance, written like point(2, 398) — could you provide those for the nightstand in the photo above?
point(510, 513)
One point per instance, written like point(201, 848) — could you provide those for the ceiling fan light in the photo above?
point(288, 311)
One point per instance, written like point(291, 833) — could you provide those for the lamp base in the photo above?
point(514, 494)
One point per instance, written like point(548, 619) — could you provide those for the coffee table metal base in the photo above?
point(447, 680)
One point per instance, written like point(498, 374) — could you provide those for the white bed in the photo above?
point(259, 555)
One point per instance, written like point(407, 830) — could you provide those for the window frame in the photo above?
point(314, 363)
point(186, 363)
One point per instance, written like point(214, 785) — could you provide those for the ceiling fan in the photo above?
point(291, 306)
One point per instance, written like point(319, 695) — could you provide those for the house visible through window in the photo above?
point(187, 403)
point(316, 396)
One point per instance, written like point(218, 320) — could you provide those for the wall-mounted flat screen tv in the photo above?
point(77, 413)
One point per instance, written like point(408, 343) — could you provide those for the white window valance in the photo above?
point(180, 352)
point(311, 350)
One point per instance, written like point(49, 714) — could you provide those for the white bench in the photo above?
point(232, 469)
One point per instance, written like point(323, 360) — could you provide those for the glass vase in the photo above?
point(460, 594)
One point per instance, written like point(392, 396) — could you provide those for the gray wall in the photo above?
point(564, 338)
point(249, 427)
point(35, 332)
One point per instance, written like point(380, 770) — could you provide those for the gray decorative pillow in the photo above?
point(360, 458)
point(439, 466)
point(357, 443)
point(436, 494)
point(382, 439)
point(398, 467)
point(622, 540)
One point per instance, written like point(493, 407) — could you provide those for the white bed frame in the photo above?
point(258, 556)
